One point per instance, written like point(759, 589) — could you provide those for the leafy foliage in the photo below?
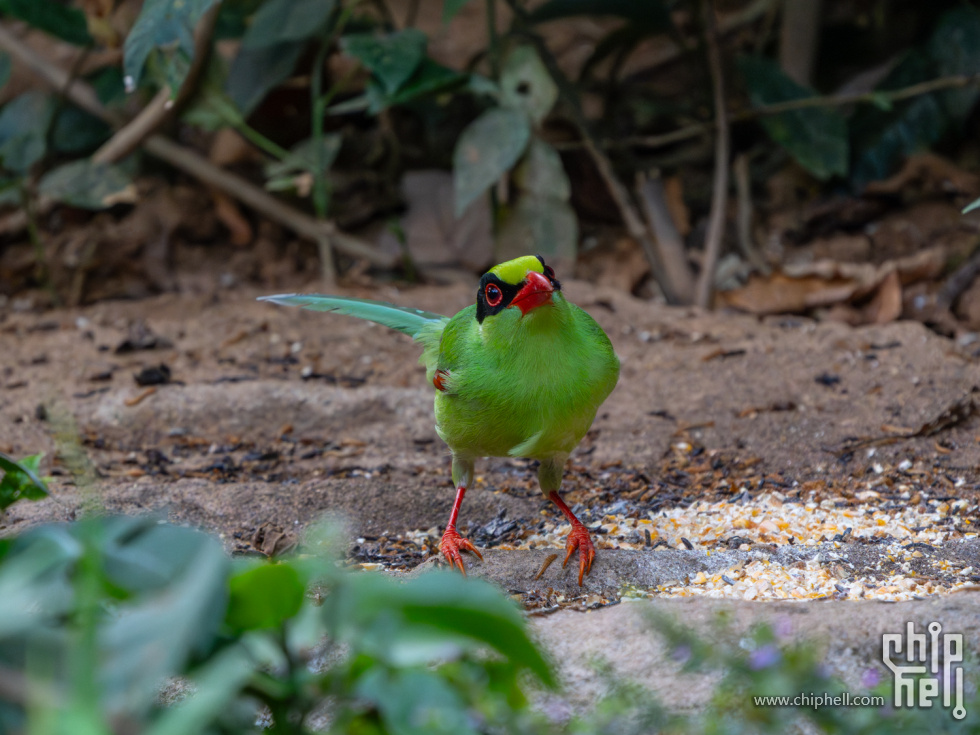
point(24, 123)
point(392, 58)
point(284, 21)
point(816, 138)
point(166, 26)
point(493, 115)
point(486, 150)
point(20, 480)
point(60, 20)
point(883, 136)
point(117, 607)
point(88, 185)
point(120, 605)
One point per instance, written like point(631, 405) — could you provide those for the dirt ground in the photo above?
point(269, 418)
point(275, 416)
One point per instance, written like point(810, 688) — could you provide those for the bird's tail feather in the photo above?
point(418, 324)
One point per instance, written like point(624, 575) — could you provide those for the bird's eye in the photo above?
point(549, 271)
point(493, 295)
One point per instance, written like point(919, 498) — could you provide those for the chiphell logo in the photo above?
point(926, 668)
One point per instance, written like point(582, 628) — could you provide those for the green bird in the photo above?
point(520, 373)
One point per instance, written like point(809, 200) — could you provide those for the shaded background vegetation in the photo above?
point(677, 147)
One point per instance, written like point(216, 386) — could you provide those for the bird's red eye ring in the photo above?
point(493, 295)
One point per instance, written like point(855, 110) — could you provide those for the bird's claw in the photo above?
point(450, 546)
point(578, 538)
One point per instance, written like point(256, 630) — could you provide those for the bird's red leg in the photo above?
point(452, 543)
point(578, 538)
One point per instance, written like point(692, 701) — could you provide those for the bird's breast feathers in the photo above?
point(523, 385)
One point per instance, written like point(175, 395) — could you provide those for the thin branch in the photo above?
point(798, 39)
point(743, 219)
point(719, 193)
point(192, 163)
point(841, 100)
point(670, 245)
point(80, 94)
point(260, 200)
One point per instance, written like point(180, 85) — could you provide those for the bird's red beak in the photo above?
point(537, 290)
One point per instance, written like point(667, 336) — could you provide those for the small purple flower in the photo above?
point(870, 678)
point(764, 657)
point(783, 627)
point(681, 654)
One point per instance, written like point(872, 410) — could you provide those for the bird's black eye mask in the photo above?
point(495, 295)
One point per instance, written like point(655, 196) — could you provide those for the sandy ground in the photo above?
point(273, 417)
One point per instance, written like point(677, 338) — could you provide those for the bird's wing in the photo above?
point(422, 326)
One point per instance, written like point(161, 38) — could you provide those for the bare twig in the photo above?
point(670, 246)
point(719, 193)
point(743, 190)
point(958, 281)
point(128, 138)
point(258, 199)
point(777, 108)
point(193, 164)
point(81, 95)
point(798, 39)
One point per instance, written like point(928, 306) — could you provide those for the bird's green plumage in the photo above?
point(516, 384)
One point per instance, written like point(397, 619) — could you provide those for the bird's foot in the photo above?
point(578, 538)
point(451, 546)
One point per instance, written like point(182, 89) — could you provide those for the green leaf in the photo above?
point(539, 224)
point(88, 185)
point(882, 138)
point(415, 702)
point(955, 49)
point(58, 19)
point(108, 86)
point(284, 21)
point(442, 602)
point(24, 123)
point(153, 637)
point(32, 594)
point(429, 78)
point(304, 156)
point(817, 138)
point(76, 131)
point(264, 597)
point(486, 150)
point(392, 58)
point(143, 556)
point(6, 65)
point(166, 24)
point(215, 687)
point(526, 85)
point(541, 172)
point(233, 18)
point(975, 204)
point(20, 480)
point(256, 72)
point(450, 8)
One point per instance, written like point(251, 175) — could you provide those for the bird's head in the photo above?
point(523, 284)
